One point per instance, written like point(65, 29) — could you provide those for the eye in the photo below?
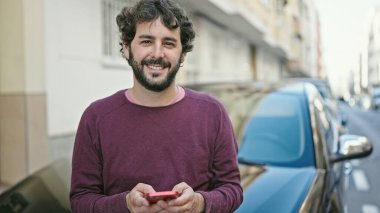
point(145, 42)
point(169, 44)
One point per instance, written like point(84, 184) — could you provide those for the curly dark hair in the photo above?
point(171, 14)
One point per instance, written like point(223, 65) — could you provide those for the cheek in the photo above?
point(141, 53)
point(175, 57)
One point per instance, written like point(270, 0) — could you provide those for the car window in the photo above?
point(325, 125)
point(325, 91)
point(278, 132)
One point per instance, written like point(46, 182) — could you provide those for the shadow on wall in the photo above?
point(61, 147)
point(47, 190)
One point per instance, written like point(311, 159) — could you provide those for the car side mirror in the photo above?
point(352, 147)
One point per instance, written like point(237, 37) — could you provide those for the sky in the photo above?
point(342, 28)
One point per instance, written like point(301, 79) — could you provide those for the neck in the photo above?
point(145, 97)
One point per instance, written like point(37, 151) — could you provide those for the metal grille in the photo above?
point(111, 35)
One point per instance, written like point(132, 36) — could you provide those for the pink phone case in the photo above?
point(165, 195)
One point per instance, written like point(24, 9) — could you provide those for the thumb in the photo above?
point(181, 187)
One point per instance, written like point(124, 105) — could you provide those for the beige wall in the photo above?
point(23, 138)
point(12, 59)
point(12, 138)
point(33, 49)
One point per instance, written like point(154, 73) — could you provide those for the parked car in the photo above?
point(291, 154)
point(375, 98)
point(45, 191)
point(331, 102)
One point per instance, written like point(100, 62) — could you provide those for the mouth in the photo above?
point(155, 67)
point(156, 64)
point(155, 70)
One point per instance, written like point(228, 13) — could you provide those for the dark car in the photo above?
point(331, 102)
point(291, 154)
point(45, 191)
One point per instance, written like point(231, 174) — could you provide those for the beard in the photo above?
point(142, 78)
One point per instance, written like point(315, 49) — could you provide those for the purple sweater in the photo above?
point(120, 144)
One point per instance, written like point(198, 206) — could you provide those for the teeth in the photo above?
point(155, 67)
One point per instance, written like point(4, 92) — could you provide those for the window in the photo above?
point(280, 6)
point(268, 4)
point(265, 2)
point(278, 133)
point(111, 35)
point(326, 126)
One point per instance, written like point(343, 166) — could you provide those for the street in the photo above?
point(364, 180)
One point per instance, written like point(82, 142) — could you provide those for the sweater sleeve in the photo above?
point(87, 194)
point(226, 194)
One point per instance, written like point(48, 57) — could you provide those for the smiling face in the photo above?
point(155, 55)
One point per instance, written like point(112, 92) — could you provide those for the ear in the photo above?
point(126, 51)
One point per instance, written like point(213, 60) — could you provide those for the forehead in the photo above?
point(156, 29)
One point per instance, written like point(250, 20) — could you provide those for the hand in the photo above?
point(188, 201)
point(137, 203)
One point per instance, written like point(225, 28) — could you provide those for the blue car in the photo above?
point(291, 153)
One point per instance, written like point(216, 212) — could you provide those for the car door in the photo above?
point(334, 182)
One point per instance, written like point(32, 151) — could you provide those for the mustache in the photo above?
point(159, 61)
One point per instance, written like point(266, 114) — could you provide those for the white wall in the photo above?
point(76, 73)
point(221, 55)
point(268, 66)
point(375, 59)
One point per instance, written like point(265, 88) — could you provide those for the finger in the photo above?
point(153, 208)
point(141, 201)
point(180, 187)
point(185, 197)
point(135, 199)
point(144, 188)
point(162, 204)
point(137, 194)
point(175, 209)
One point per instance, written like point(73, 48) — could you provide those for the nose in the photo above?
point(158, 51)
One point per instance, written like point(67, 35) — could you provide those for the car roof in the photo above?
point(311, 80)
point(288, 86)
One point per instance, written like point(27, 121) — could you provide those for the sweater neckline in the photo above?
point(177, 100)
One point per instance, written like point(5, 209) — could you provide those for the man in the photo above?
point(155, 136)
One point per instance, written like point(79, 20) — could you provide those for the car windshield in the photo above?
point(325, 91)
point(277, 132)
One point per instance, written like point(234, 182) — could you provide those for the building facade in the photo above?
point(366, 73)
point(59, 56)
point(373, 50)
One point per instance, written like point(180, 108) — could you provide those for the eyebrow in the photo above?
point(144, 36)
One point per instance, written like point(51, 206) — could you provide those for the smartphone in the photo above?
point(153, 197)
